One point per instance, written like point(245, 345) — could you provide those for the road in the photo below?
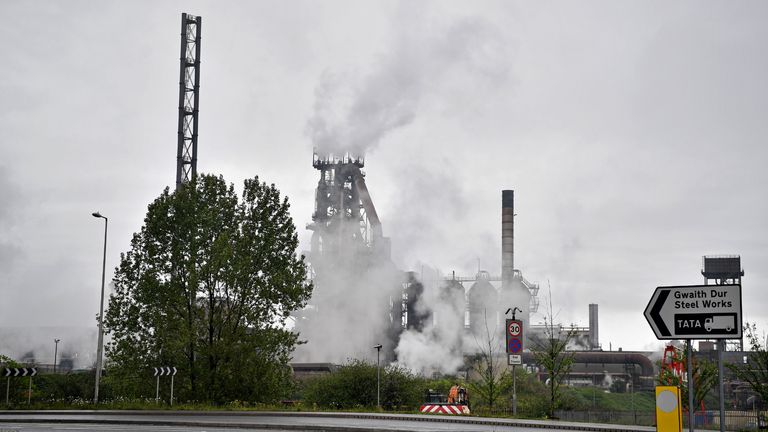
point(210, 421)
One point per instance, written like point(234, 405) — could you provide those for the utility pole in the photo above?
point(100, 347)
point(378, 376)
point(55, 352)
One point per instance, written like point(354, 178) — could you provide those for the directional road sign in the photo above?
point(165, 371)
point(16, 372)
point(695, 312)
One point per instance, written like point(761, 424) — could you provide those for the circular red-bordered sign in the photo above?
point(515, 329)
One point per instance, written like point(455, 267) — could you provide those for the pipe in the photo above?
point(605, 357)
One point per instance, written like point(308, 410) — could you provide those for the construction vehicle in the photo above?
point(437, 403)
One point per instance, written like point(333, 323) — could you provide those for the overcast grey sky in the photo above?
point(633, 133)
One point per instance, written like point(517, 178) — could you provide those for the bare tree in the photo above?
point(494, 379)
point(550, 354)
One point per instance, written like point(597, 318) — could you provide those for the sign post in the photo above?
point(695, 312)
point(157, 387)
point(514, 332)
point(9, 372)
point(173, 374)
point(164, 371)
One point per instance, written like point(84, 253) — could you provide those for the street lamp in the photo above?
point(55, 353)
point(378, 376)
point(100, 348)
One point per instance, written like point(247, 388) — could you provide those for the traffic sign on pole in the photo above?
point(15, 372)
point(695, 312)
point(514, 331)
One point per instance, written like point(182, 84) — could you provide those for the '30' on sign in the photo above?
point(515, 328)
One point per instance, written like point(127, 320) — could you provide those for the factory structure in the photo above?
point(348, 241)
point(348, 245)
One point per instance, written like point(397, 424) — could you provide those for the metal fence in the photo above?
point(640, 418)
point(734, 420)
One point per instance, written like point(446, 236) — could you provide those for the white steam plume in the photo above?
point(353, 113)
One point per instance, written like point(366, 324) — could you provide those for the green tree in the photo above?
point(704, 378)
point(16, 386)
point(550, 353)
point(207, 287)
point(755, 371)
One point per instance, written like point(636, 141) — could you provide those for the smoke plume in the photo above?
point(439, 346)
point(353, 309)
point(353, 113)
point(9, 197)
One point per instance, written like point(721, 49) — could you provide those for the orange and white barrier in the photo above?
point(449, 409)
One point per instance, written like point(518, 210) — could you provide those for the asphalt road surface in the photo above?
point(177, 421)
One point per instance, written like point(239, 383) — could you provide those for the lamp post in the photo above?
point(378, 376)
point(55, 353)
point(100, 347)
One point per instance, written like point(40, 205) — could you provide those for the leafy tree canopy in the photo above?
point(207, 287)
point(755, 371)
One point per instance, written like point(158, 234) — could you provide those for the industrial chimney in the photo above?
point(507, 238)
point(594, 338)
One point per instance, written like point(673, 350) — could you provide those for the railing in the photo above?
point(710, 419)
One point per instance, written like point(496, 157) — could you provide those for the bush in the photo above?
point(353, 385)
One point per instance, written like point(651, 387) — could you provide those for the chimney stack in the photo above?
point(594, 336)
point(507, 237)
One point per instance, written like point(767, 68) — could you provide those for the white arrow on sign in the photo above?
point(34, 372)
point(155, 371)
point(174, 370)
point(695, 312)
point(17, 372)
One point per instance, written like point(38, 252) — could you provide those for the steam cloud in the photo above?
point(349, 313)
point(9, 196)
point(438, 347)
point(353, 113)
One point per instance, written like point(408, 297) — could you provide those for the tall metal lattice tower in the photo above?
point(189, 98)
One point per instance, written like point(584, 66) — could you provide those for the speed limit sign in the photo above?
point(515, 328)
point(514, 336)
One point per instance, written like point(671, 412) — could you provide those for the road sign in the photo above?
point(20, 372)
point(165, 371)
point(514, 336)
point(514, 359)
point(695, 312)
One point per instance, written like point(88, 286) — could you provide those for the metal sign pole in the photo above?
point(171, 390)
point(689, 354)
point(720, 349)
point(29, 393)
point(157, 390)
point(7, 389)
point(514, 391)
